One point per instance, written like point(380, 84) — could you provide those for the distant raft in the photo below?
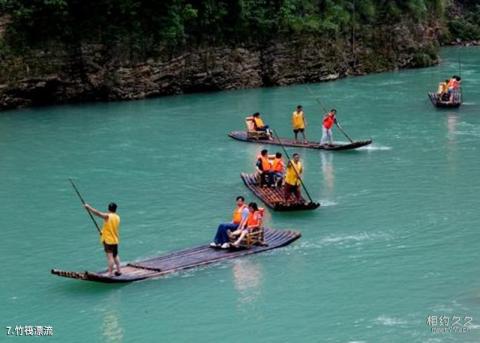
point(244, 137)
point(274, 198)
point(438, 102)
point(183, 259)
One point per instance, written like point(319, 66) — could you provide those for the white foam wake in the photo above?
point(375, 147)
point(390, 321)
point(327, 203)
point(343, 240)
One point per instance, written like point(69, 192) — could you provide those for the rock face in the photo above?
point(93, 72)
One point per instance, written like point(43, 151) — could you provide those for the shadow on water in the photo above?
point(298, 215)
point(81, 287)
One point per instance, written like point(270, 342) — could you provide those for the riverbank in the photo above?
point(464, 43)
point(80, 59)
point(92, 73)
point(80, 71)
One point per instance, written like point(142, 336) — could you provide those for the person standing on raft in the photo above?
point(299, 123)
point(328, 120)
point(109, 235)
point(292, 178)
point(454, 89)
point(224, 231)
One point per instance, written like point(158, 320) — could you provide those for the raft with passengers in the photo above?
point(244, 235)
point(448, 94)
point(258, 132)
point(277, 185)
point(176, 261)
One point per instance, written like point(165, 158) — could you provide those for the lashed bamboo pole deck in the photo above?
point(182, 259)
point(242, 136)
point(274, 197)
point(437, 102)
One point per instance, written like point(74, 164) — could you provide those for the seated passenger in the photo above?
point(443, 90)
point(264, 168)
point(239, 219)
point(254, 221)
point(259, 125)
point(278, 169)
point(442, 87)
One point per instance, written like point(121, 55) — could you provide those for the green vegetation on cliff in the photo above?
point(463, 20)
point(56, 51)
point(142, 24)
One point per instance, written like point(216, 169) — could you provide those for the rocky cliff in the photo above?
point(57, 74)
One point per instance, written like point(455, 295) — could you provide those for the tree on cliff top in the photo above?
point(146, 24)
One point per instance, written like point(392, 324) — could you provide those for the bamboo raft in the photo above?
point(182, 259)
point(242, 136)
point(437, 102)
point(274, 197)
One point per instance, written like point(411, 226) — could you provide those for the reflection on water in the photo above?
point(248, 278)
point(112, 330)
point(252, 152)
point(452, 123)
point(328, 173)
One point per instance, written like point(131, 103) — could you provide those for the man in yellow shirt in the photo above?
point(292, 179)
point(109, 235)
point(299, 123)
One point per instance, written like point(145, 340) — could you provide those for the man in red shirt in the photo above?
point(327, 126)
point(454, 89)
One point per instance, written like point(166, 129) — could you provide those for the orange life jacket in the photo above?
point(266, 166)
point(453, 83)
point(328, 121)
point(255, 218)
point(237, 214)
point(278, 165)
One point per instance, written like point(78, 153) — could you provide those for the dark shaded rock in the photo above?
point(93, 72)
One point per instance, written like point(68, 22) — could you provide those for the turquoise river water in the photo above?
point(394, 247)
